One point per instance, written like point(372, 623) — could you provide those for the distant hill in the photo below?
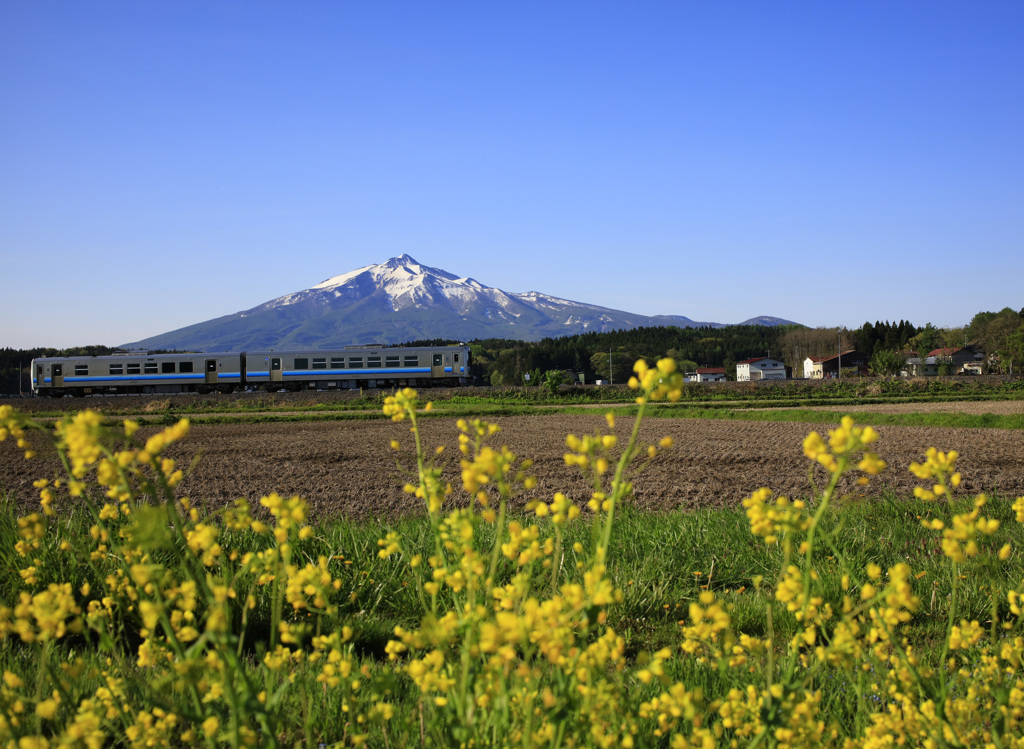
point(767, 321)
point(402, 300)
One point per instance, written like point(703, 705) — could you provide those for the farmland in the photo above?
point(343, 466)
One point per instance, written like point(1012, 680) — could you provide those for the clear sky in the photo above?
point(167, 162)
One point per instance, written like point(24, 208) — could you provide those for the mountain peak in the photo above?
point(403, 262)
point(403, 268)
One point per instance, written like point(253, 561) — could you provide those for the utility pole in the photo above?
point(839, 371)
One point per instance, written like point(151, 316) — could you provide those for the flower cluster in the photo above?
point(843, 445)
point(513, 642)
point(940, 468)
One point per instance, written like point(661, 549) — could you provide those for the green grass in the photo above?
point(661, 562)
point(503, 401)
point(813, 416)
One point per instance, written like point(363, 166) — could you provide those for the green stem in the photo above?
point(618, 483)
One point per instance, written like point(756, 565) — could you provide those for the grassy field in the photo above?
point(136, 621)
point(924, 402)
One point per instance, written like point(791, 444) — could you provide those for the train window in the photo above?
point(151, 367)
point(392, 361)
point(373, 362)
point(411, 361)
point(81, 370)
point(185, 366)
point(319, 362)
point(134, 368)
point(302, 363)
point(116, 369)
point(456, 358)
point(167, 367)
point(355, 362)
point(438, 360)
point(337, 362)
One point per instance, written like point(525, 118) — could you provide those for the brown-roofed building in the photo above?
point(710, 374)
point(820, 367)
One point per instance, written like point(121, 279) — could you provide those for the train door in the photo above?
point(57, 375)
point(275, 369)
point(211, 371)
point(437, 365)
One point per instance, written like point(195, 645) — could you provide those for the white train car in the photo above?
point(137, 373)
point(359, 366)
point(351, 367)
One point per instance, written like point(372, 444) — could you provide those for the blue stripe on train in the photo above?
point(345, 373)
point(95, 379)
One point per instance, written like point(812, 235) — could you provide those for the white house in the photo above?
point(812, 367)
point(760, 368)
point(711, 374)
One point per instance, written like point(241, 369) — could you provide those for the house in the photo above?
point(912, 364)
point(966, 360)
point(760, 368)
point(710, 374)
point(819, 367)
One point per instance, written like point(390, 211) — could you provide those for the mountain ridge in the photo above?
point(402, 300)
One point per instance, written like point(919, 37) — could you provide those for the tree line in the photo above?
point(610, 355)
point(15, 376)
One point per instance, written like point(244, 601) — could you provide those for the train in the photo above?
point(374, 366)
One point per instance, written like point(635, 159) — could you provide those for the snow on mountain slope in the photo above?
point(397, 301)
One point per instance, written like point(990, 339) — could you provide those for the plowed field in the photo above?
point(347, 466)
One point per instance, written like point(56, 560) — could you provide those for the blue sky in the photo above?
point(167, 162)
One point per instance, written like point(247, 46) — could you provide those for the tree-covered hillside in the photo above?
point(504, 362)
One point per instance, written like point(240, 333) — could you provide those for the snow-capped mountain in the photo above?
point(398, 301)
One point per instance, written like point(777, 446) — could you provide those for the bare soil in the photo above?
point(972, 408)
point(347, 467)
